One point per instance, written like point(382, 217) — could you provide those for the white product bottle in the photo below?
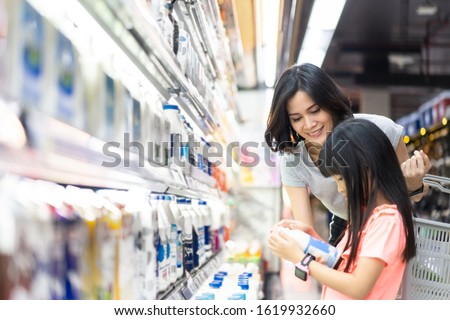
point(185, 144)
point(156, 138)
point(314, 246)
point(184, 49)
point(195, 233)
point(178, 146)
point(165, 136)
point(178, 220)
point(145, 250)
point(172, 237)
point(188, 249)
point(163, 276)
point(191, 141)
point(215, 229)
point(207, 227)
point(200, 224)
point(67, 83)
point(30, 47)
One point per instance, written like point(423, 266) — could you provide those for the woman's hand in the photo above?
point(296, 225)
point(415, 168)
point(285, 247)
point(293, 225)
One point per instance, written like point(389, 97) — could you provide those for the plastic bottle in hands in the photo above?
point(315, 247)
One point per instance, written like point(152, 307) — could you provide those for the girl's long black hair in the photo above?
point(320, 88)
point(363, 156)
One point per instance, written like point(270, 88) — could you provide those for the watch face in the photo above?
point(299, 273)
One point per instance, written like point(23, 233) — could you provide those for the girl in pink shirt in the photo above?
point(379, 239)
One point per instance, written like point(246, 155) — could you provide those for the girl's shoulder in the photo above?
point(385, 211)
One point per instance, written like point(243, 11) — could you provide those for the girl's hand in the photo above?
point(285, 247)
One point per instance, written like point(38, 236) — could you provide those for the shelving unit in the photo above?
point(59, 152)
point(153, 58)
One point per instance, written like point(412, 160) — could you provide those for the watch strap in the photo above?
point(417, 191)
point(302, 268)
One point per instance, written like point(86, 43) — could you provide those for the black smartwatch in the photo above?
point(302, 268)
point(417, 191)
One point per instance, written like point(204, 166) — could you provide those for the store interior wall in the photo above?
point(259, 201)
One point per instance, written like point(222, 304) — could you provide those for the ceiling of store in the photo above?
point(382, 43)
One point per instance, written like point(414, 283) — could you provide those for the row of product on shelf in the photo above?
point(232, 281)
point(93, 92)
point(201, 55)
point(78, 243)
point(433, 112)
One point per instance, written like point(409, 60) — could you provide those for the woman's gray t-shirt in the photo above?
point(298, 170)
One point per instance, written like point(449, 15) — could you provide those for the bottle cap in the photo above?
point(243, 285)
point(170, 107)
point(216, 284)
point(219, 276)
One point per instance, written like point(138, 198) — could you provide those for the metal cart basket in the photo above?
point(427, 275)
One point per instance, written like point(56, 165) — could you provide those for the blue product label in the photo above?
point(66, 78)
point(179, 250)
point(32, 55)
point(196, 247)
point(128, 106)
point(188, 254)
point(200, 163)
point(207, 239)
point(167, 251)
point(72, 252)
point(319, 248)
point(109, 105)
point(175, 146)
point(136, 120)
point(160, 252)
point(184, 151)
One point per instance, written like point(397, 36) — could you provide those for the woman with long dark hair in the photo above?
point(306, 106)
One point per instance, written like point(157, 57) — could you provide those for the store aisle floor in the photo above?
point(296, 289)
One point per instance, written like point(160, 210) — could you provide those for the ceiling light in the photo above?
point(401, 60)
point(322, 23)
point(426, 9)
point(270, 20)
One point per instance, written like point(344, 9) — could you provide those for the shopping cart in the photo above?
point(427, 275)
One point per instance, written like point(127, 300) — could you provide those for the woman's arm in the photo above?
point(300, 204)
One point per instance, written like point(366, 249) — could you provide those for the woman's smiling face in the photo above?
point(308, 119)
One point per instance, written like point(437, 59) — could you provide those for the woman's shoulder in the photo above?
point(296, 162)
point(375, 118)
point(294, 153)
point(384, 123)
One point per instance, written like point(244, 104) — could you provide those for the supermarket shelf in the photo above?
point(135, 28)
point(63, 154)
point(184, 12)
point(185, 288)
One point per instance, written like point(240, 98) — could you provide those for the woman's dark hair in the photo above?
point(363, 156)
point(320, 88)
